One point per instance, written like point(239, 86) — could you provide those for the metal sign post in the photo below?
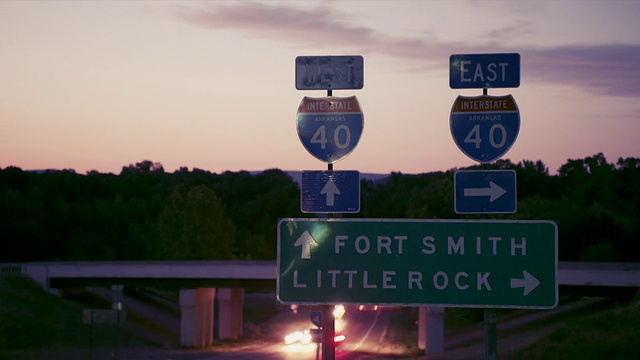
point(329, 128)
point(490, 335)
point(328, 333)
point(485, 128)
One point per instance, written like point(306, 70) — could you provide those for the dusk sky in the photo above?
point(98, 85)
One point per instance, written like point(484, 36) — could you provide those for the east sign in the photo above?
point(472, 71)
point(457, 263)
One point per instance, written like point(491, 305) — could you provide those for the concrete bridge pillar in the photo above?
point(431, 329)
point(40, 274)
point(230, 320)
point(196, 317)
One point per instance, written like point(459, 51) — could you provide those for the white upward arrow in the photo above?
point(494, 191)
point(330, 189)
point(305, 241)
point(528, 283)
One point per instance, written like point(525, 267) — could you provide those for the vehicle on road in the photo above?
point(308, 336)
point(314, 335)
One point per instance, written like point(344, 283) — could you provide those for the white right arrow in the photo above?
point(528, 282)
point(493, 191)
point(305, 241)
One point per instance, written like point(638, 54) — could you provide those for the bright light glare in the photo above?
point(306, 337)
point(298, 336)
point(338, 338)
point(299, 342)
point(320, 232)
point(338, 311)
point(293, 337)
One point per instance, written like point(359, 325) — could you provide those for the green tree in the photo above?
point(193, 226)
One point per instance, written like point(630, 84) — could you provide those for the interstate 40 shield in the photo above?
point(330, 127)
point(485, 127)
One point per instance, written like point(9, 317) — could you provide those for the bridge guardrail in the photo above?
point(10, 269)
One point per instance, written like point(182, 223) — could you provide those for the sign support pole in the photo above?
point(328, 333)
point(490, 327)
point(490, 335)
point(328, 322)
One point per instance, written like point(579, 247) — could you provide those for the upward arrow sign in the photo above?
point(305, 241)
point(330, 189)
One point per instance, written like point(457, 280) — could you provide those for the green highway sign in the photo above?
point(454, 263)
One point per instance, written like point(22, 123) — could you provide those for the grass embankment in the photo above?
point(31, 318)
point(603, 331)
point(613, 334)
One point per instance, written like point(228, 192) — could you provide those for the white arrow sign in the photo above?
point(528, 282)
point(330, 189)
point(493, 191)
point(305, 241)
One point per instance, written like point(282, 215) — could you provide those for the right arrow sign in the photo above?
point(485, 191)
point(528, 282)
point(493, 191)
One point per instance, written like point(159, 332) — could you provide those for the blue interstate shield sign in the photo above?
point(330, 127)
point(485, 127)
point(316, 317)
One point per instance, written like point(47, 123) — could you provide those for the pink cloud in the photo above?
point(320, 25)
point(600, 69)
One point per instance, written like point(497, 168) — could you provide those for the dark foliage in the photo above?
point(145, 213)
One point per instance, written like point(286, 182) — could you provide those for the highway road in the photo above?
point(364, 333)
point(368, 335)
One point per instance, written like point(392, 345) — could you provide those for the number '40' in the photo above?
point(474, 136)
point(342, 142)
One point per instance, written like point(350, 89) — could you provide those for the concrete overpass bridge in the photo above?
point(201, 282)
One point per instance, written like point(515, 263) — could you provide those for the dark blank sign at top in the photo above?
point(477, 71)
point(329, 72)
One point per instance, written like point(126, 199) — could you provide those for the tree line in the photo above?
point(145, 213)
